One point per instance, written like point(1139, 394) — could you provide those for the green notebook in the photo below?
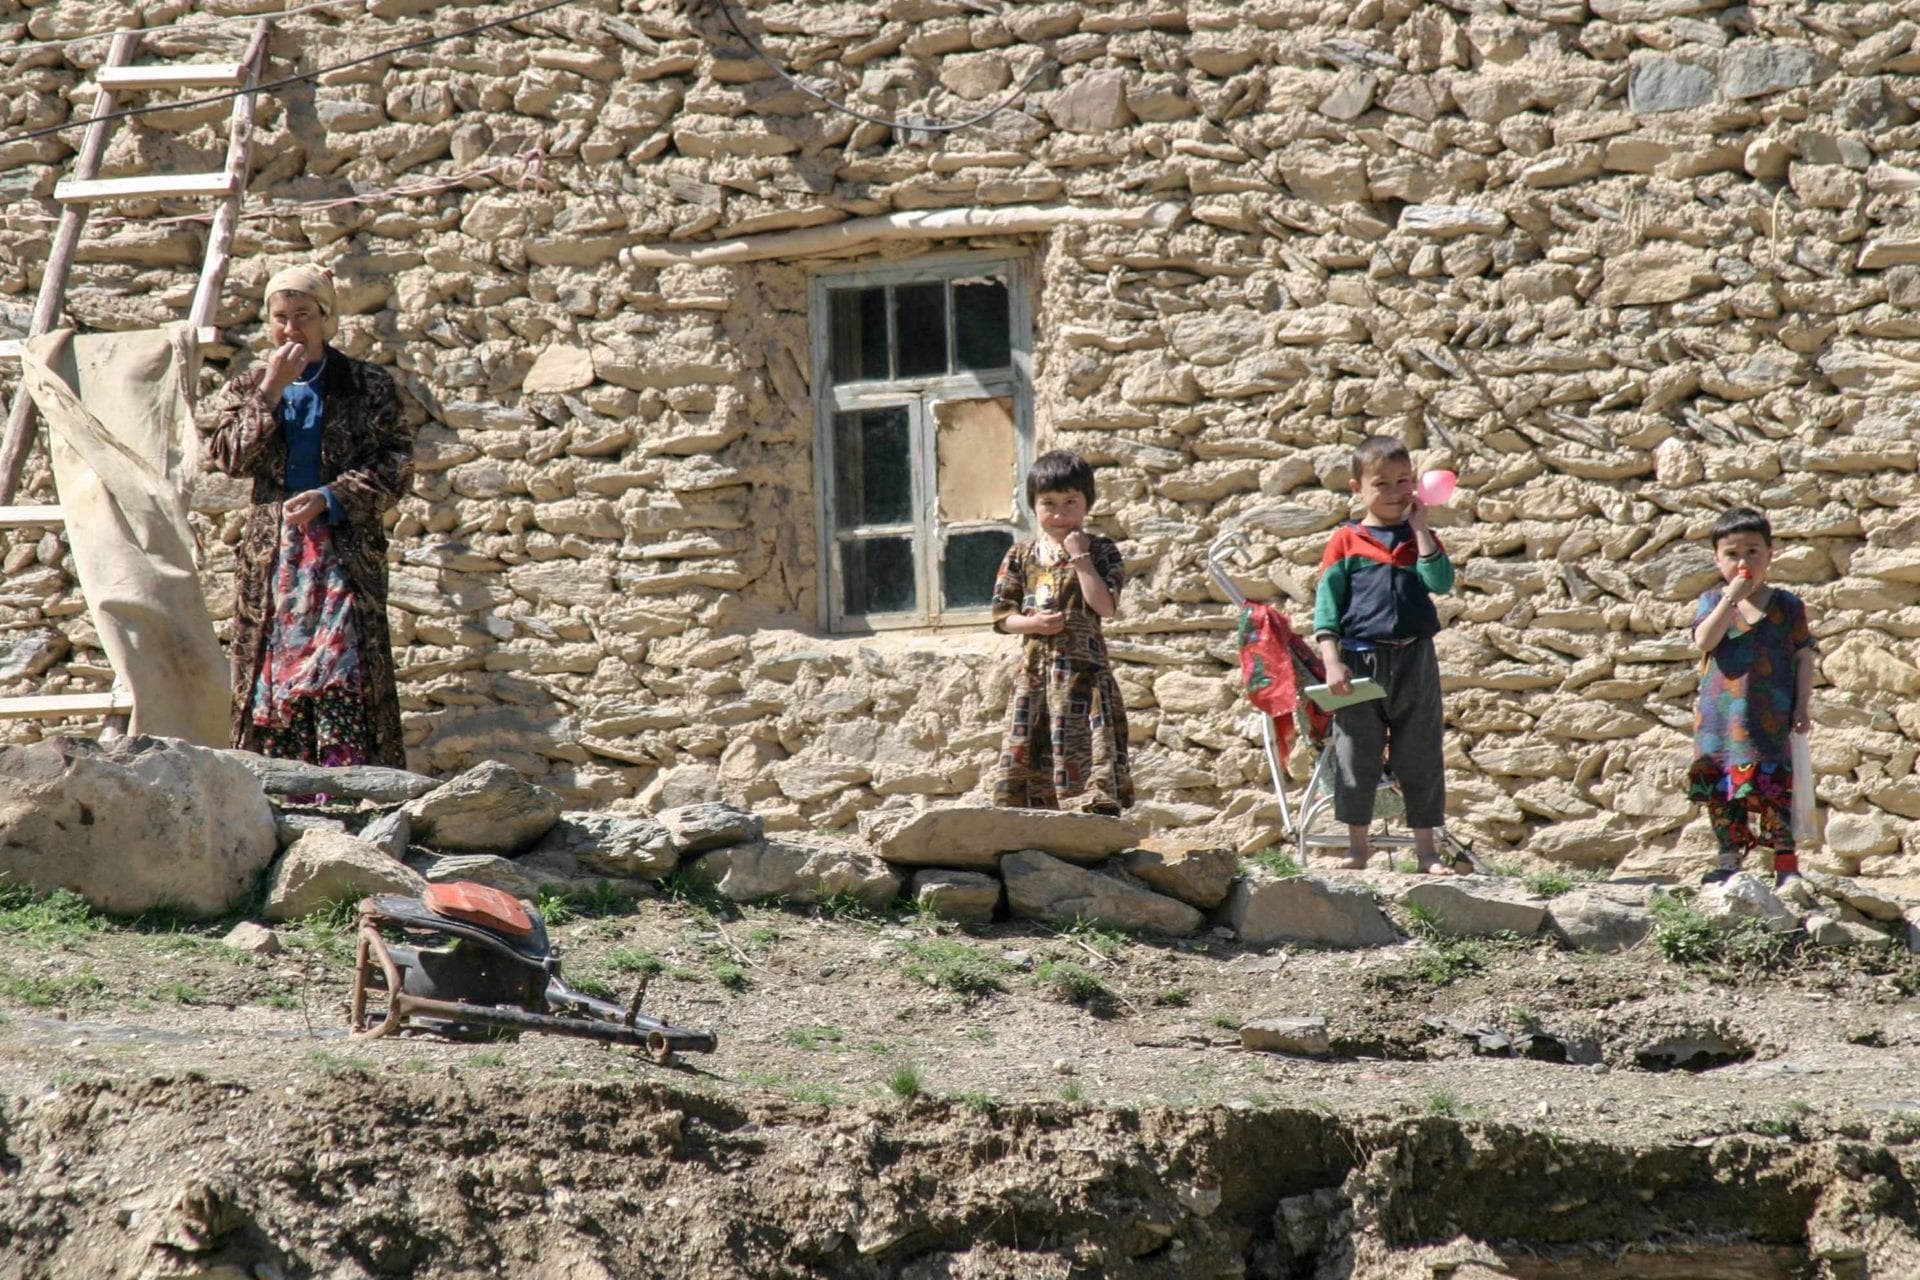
point(1365, 689)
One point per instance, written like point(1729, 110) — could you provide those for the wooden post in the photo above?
point(213, 274)
point(53, 285)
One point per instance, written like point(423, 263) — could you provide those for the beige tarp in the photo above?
point(124, 454)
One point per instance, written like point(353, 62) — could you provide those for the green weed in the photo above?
point(488, 1058)
point(635, 961)
point(1441, 961)
point(1225, 1021)
point(1276, 862)
point(730, 974)
point(60, 918)
point(1098, 938)
point(685, 889)
point(1072, 1091)
point(906, 1083)
point(178, 993)
point(813, 1037)
point(45, 992)
point(846, 906)
point(824, 1094)
point(979, 1102)
point(1173, 998)
point(966, 971)
point(1443, 1102)
point(335, 1064)
point(588, 985)
point(1077, 985)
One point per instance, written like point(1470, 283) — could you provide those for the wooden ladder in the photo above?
point(117, 78)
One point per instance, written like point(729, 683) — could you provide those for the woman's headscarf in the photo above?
point(316, 283)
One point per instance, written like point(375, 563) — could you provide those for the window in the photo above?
point(924, 434)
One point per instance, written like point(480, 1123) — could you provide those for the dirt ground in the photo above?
point(1786, 1085)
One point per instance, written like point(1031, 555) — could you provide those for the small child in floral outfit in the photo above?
point(1756, 689)
point(1066, 740)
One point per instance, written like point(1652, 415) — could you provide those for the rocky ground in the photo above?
point(898, 1095)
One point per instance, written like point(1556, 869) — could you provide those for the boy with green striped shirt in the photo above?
point(1373, 617)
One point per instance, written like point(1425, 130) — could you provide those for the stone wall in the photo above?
point(1621, 263)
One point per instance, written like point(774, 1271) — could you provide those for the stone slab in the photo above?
point(1043, 887)
point(974, 837)
point(1308, 910)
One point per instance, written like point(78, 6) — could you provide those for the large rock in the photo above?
point(973, 837)
point(1306, 909)
point(1747, 897)
point(1094, 103)
point(488, 809)
point(696, 828)
point(142, 823)
point(796, 872)
point(1475, 906)
point(1306, 1036)
point(616, 844)
point(1042, 887)
point(488, 869)
point(1601, 918)
point(957, 895)
point(1875, 904)
point(325, 867)
point(1198, 877)
point(390, 833)
point(349, 782)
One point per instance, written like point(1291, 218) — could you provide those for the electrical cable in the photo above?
point(243, 20)
point(931, 126)
point(315, 74)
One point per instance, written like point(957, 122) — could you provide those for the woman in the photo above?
point(321, 437)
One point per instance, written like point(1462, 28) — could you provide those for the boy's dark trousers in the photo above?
point(1404, 729)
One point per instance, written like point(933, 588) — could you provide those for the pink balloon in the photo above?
point(1436, 488)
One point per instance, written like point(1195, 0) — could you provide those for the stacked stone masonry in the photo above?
point(1620, 263)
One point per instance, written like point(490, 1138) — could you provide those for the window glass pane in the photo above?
point(968, 568)
point(876, 576)
point(920, 315)
point(872, 468)
point(859, 338)
point(982, 337)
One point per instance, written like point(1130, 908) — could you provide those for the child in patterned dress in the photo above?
point(1066, 740)
point(1756, 689)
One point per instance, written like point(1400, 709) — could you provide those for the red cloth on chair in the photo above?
point(1268, 651)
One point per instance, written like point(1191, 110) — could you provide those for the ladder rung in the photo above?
point(54, 706)
point(152, 185)
point(206, 335)
point(32, 517)
point(181, 75)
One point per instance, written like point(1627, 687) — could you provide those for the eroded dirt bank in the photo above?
point(348, 1174)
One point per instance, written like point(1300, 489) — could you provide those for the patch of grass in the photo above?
point(824, 1094)
point(906, 1083)
point(178, 942)
point(337, 1064)
point(1105, 941)
point(1225, 1021)
point(60, 918)
point(1073, 1091)
point(1444, 1102)
point(1442, 961)
point(1079, 985)
point(282, 1000)
point(813, 1037)
point(760, 937)
point(1526, 1019)
point(1423, 921)
point(1550, 884)
point(981, 1035)
point(729, 973)
point(634, 960)
point(1173, 998)
point(846, 906)
point(588, 985)
point(46, 992)
point(488, 1058)
point(966, 971)
point(1684, 935)
point(178, 993)
point(980, 1102)
point(684, 889)
point(1276, 862)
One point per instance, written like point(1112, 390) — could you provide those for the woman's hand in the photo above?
point(304, 508)
point(283, 366)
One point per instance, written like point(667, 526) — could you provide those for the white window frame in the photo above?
point(918, 395)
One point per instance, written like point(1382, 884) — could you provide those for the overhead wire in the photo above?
point(285, 81)
point(207, 24)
